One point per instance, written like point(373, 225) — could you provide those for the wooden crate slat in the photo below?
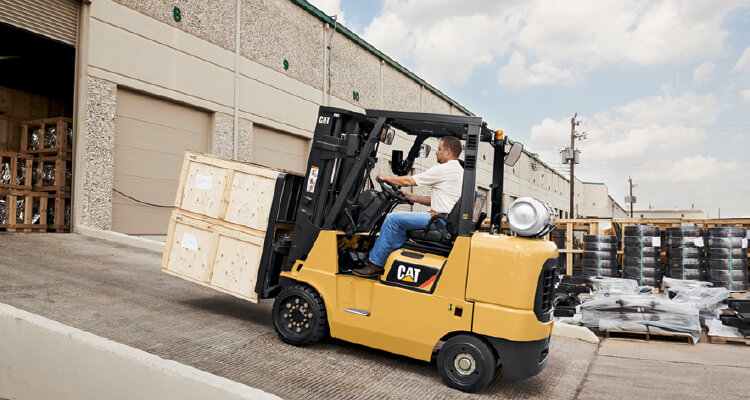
point(12, 160)
point(61, 125)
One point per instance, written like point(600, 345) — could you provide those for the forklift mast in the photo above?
point(343, 153)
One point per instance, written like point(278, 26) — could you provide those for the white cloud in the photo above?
point(667, 143)
point(743, 61)
point(745, 94)
point(704, 72)
point(558, 41)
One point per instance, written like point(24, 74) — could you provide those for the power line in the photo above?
point(140, 201)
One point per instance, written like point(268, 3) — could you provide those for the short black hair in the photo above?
point(453, 144)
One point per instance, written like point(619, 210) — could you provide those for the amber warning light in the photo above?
point(499, 134)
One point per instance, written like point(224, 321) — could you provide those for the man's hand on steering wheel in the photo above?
point(393, 191)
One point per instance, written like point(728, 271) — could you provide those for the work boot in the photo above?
point(369, 271)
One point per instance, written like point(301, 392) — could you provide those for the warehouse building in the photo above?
point(145, 80)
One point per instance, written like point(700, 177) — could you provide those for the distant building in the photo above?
point(669, 214)
point(597, 203)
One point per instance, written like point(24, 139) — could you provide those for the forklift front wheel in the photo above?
point(466, 363)
point(299, 315)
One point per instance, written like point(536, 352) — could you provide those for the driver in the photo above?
point(445, 179)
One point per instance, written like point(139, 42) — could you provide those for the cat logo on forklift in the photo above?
point(408, 274)
point(324, 120)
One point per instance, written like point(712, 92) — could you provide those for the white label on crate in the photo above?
point(744, 243)
point(203, 181)
point(605, 225)
point(189, 242)
point(312, 179)
point(656, 241)
point(698, 242)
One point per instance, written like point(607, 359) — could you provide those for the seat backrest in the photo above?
point(452, 219)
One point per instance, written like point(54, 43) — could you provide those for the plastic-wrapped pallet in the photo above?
point(641, 254)
point(642, 313)
point(599, 255)
point(685, 247)
point(727, 257)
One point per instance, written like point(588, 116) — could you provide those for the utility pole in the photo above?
point(631, 196)
point(572, 162)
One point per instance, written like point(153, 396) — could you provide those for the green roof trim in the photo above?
point(367, 46)
point(593, 183)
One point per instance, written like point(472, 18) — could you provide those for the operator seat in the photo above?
point(437, 238)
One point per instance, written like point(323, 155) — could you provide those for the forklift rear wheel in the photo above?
point(467, 363)
point(299, 315)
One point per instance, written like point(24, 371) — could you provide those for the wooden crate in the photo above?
point(227, 190)
point(41, 128)
point(58, 221)
point(211, 253)
point(18, 165)
point(18, 209)
point(52, 172)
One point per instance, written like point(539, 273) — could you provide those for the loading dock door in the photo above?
point(151, 136)
point(55, 19)
point(277, 149)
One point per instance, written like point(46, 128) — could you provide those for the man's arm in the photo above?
point(398, 180)
point(417, 198)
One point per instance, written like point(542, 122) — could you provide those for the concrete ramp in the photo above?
point(44, 359)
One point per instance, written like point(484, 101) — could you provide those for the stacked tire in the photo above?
point(685, 253)
point(599, 255)
point(727, 257)
point(641, 255)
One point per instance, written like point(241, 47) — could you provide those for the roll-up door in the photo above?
point(277, 149)
point(151, 136)
point(55, 19)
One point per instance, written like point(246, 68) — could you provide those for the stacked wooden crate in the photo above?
point(219, 225)
point(38, 179)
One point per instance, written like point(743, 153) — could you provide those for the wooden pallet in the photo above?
point(648, 336)
point(40, 128)
point(57, 165)
point(20, 207)
point(724, 340)
point(18, 164)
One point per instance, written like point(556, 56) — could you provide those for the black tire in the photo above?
point(600, 246)
point(736, 286)
point(642, 251)
point(694, 263)
point(599, 255)
point(686, 252)
point(299, 315)
point(606, 272)
point(723, 274)
point(687, 274)
point(682, 242)
point(725, 243)
point(645, 230)
point(725, 264)
point(724, 253)
point(726, 231)
point(599, 239)
point(467, 363)
point(684, 232)
point(637, 241)
point(599, 263)
point(645, 262)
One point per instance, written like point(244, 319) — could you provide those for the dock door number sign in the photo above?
point(312, 177)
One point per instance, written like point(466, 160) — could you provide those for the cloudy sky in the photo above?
point(662, 88)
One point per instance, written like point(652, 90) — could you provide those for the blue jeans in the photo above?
point(393, 233)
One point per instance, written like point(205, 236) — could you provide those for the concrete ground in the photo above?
point(118, 292)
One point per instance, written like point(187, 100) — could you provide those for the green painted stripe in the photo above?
point(367, 46)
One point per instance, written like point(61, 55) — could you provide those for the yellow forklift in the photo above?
point(467, 297)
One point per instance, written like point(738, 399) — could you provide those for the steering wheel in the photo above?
point(394, 192)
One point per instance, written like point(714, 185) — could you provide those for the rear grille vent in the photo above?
point(545, 291)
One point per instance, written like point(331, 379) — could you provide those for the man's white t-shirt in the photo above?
point(445, 180)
